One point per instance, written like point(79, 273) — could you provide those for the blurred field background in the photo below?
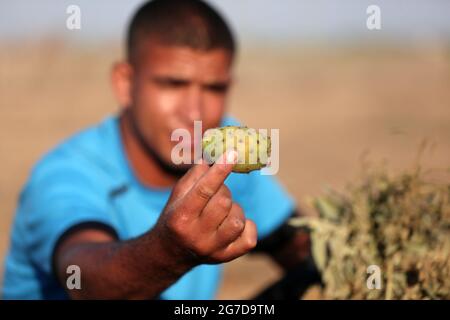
point(334, 104)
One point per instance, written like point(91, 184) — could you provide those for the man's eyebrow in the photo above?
point(170, 79)
point(222, 82)
point(181, 79)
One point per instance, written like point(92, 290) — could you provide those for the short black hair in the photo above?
point(191, 23)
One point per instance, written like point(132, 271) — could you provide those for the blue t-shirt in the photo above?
point(87, 178)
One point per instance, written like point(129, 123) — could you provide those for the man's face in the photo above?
point(174, 86)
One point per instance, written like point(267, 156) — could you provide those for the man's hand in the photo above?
point(201, 223)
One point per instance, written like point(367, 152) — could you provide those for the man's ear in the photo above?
point(122, 82)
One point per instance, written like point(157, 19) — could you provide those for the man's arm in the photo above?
point(290, 248)
point(140, 268)
point(287, 245)
point(199, 224)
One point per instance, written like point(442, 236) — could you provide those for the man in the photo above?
point(110, 201)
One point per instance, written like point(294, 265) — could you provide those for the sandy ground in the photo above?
point(332, 106)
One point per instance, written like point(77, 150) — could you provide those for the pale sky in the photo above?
point(292, 21)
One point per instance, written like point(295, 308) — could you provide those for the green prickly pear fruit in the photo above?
point(252, 146)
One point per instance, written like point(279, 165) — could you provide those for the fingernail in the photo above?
point(231, 156)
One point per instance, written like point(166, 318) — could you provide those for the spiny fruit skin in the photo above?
point(253, 147)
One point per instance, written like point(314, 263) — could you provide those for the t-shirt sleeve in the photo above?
point(263, 200)
point(60, 195)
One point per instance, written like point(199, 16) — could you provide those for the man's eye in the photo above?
point(177, 83)
point(172, 83)
point(217, 88)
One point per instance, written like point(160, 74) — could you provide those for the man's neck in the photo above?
point(144, 166)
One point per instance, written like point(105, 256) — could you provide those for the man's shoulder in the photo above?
point(89, 152)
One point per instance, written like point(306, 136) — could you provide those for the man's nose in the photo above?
point(193, 103)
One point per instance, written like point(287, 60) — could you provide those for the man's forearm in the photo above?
point(287, 245)
point(136, 269)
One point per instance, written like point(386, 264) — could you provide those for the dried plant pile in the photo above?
point(399, 223)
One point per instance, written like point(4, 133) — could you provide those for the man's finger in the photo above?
point(185, 184)
point(217, 209)
point(232, 226)
point(243, 244)
point(210, 182)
